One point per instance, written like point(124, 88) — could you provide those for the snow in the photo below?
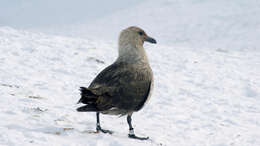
point(232, 24)
point(41, 13)
point(207, 84)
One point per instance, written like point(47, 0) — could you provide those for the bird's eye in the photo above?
point(140, 33)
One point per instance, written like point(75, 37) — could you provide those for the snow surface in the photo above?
point(228, 24)
point(207, 87)
point(41, 13)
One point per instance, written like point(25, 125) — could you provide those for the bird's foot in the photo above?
point(103, 130)
point(136, 137)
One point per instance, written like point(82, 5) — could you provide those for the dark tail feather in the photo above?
point(87, 108)
point(87, 97)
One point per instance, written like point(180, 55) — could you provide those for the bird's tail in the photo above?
point(89, 98)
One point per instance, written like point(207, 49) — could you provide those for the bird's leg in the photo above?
point(131, 130)
point(98, 127)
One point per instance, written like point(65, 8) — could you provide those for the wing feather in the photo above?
point(125, 86)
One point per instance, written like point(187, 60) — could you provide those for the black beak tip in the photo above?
point(154, 41)
point(151, 40)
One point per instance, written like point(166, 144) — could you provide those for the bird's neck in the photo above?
point(132, 54)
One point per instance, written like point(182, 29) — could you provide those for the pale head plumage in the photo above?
point(130, 44)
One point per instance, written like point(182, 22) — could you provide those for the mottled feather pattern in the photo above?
point(120, 85)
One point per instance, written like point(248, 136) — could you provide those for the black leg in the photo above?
point(131, 130)
point(98, 127)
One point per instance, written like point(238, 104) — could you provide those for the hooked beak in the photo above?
point(150, 39)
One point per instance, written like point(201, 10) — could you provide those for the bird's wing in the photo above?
point(123, 85)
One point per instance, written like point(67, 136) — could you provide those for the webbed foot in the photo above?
point(136, 137)
point(103, 130)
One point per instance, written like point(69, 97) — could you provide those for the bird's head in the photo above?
point(134, 36)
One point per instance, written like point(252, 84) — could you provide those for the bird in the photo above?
point(125, 86)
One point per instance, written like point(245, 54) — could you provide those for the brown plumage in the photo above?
point(125, 86)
